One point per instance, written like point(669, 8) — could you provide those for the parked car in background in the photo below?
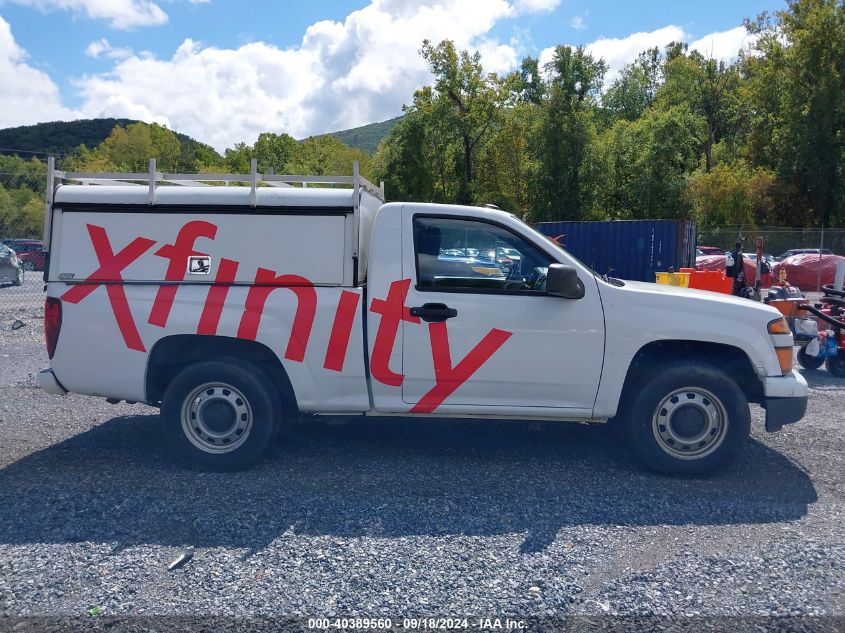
point(803, 251)
point(30, 252)
point(808, 271)
point(11, 268)
point(768, 258)
point(710, 250)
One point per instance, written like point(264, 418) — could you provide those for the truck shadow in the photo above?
point(377, 477)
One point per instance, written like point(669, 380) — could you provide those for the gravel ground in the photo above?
point(393, 518)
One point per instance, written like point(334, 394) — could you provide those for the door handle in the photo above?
point(434, 312)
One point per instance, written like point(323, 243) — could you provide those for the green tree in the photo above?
point(632, 93)
point(732, 194)
point(505, 165)
point(274, 151)
point(797, 88)
point(646, 163)
point(564, 138)
point(21, 213)
point(326, 156)
point(466, 100)
point(709, 90)
point(404, 160)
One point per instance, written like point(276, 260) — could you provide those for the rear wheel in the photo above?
point(836, 364)
point(220, 415)
point(687, 419)
point(808, 362)
point(28, 266)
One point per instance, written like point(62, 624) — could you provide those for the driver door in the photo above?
point(483, 333)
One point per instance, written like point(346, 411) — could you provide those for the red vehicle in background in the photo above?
point(30, 252)
point(710, 250)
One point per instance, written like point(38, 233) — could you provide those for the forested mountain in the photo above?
point(57, 137)
point(63, 137)
point(366, 137)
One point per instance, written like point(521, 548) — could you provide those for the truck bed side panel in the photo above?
point(263, 284)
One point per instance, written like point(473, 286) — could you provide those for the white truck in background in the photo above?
point(236, 308)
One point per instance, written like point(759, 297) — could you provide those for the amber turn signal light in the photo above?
point(784, 358)
point(779, 326)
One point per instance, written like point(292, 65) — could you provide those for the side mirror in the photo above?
point(562, 281)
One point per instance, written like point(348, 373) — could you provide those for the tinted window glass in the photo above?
point(472, 255)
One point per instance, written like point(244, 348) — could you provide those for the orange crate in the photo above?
point(712, 280)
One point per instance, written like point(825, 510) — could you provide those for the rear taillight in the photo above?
point(52, 323)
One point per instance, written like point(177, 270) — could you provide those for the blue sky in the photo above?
point(222, 70)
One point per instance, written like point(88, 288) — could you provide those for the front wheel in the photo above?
point(18, 281)
point(220, 415)
point(836, 364)
point(687, 418)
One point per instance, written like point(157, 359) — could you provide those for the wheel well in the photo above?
point(732, 360)
point(173, 353)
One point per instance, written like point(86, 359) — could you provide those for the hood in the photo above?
point(702, 301)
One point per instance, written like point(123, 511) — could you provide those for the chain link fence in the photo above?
point(777, 241)
point(21, 265)
point(781, 242)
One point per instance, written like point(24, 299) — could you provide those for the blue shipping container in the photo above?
point(628, 249)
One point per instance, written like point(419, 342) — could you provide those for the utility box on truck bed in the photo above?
point(236, 308)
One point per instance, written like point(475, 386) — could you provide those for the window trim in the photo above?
point(473, 291)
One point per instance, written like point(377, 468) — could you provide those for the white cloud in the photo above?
point(724, 45)
point(28, 95)
point(578, 22)
point(535, 6)
point(102, 48)
point(122, 14)
point(342, 74)
point(619, 51)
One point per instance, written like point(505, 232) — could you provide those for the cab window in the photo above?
point(455, 254)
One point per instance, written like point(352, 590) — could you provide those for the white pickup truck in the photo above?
point(238, 308)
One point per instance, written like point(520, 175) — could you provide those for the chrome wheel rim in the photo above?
point(216, 418)
point(690, 423)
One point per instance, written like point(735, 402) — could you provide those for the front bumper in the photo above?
point(785, 400)
point(48, 382)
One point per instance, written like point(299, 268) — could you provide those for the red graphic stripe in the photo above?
point(303, 320)
point(448, 378)
point(393, 311)
point(213, 309)
point(178, 254)
point(111, 266)
point(341, 331)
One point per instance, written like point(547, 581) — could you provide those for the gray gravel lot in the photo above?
point(407, 518)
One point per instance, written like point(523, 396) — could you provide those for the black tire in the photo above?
point(28, 266)
point(836, 365)
point(233, 410)
point(713, 420)
point(18, 280)
point(808, 362)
